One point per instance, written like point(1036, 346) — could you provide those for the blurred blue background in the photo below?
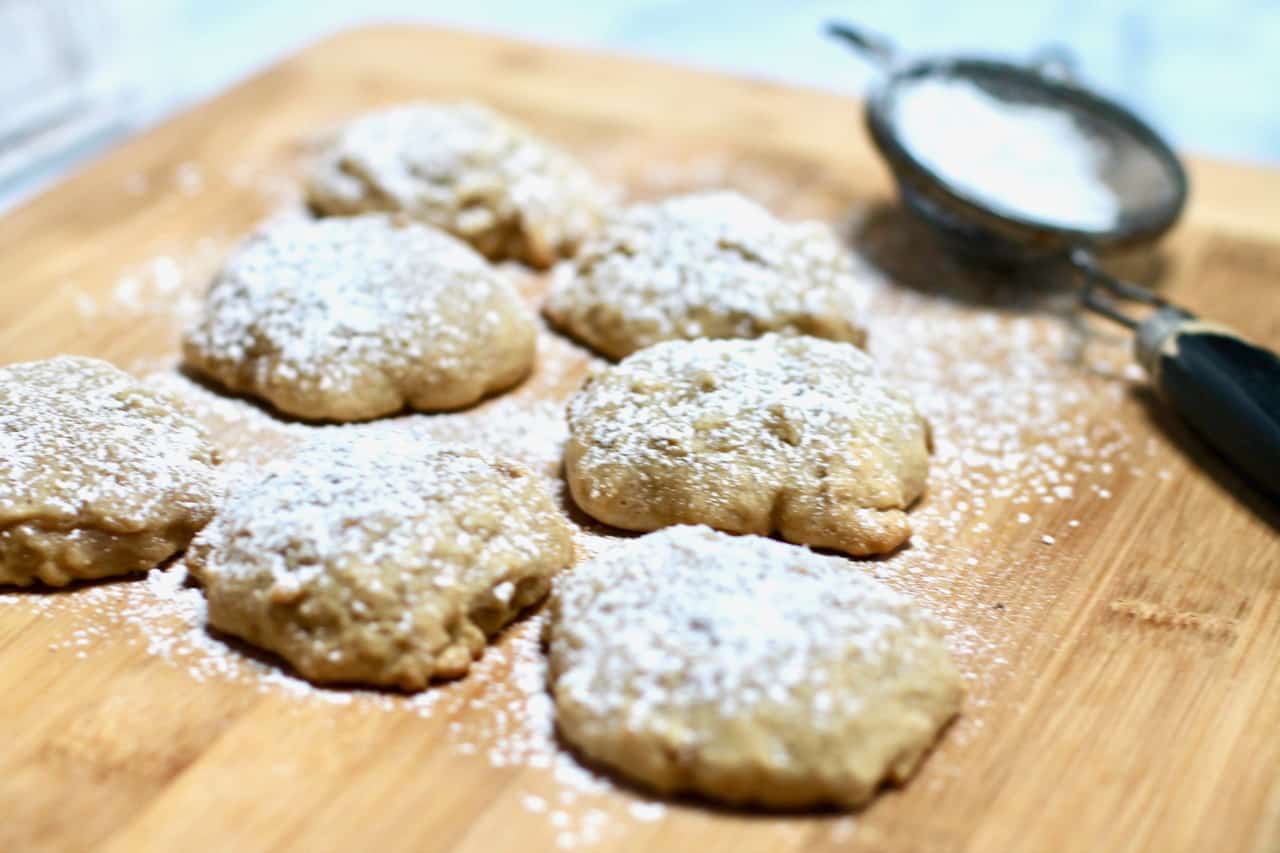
point(1204, 72)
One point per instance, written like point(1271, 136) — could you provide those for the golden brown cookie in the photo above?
point(380, 561)
point(745, 670)
point(462, 168)
point(707, 265)
point(99, 474)
point(356, 318)
point(793, 435)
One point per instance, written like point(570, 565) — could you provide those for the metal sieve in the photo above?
point(1225, 387)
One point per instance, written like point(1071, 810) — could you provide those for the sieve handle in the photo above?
point(875, 47)
point(1225, 387)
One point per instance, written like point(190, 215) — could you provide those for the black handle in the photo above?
point(873, 46)
point(1225, 387)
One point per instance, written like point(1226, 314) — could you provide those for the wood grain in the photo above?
point(1138, 699)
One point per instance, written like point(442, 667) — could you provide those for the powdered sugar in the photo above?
point(750, 436)
point(1026, 159)
point(706, 265)
point(166, 287)
point(406, 539)
point(521, 426)
point(350, 318)
point(371, 496)
point(689, 630)
point(463, 168)
point(83, 442)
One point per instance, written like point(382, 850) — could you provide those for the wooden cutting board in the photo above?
point(1112, 590)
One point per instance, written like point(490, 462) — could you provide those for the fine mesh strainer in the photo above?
point(1015, 164)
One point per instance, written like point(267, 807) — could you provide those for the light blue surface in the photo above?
point(1203, 72)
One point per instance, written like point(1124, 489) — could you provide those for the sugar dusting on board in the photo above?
point(1004, 382)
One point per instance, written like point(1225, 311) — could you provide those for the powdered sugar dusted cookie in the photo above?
point(709, 265)
point(99, 475)
point(381, 561)
point(746, 670)
point(355, 318)
point(792, 435)
point(463, 168)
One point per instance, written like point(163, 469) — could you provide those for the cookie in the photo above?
point(789, 435)
point(99, 474)
point(380, 561)
point(356, 318)
point(462, 168)
point(708, 265)
point(745, 670)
